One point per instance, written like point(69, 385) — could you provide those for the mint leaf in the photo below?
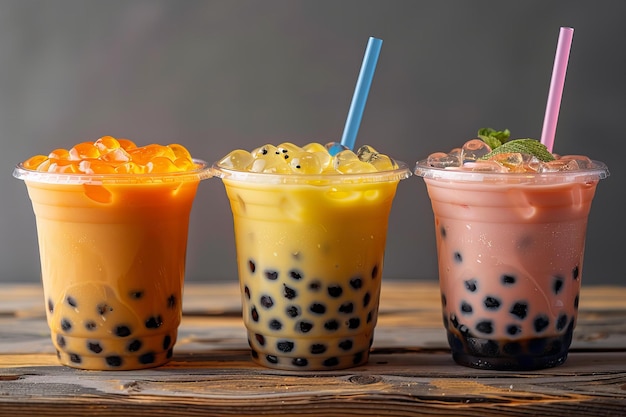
point(491, 141)
point(492, 137)
point(527, 146)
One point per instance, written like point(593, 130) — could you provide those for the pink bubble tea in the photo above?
point(510, 230)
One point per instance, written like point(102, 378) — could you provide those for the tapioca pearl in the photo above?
point(114, 361)
point(254, 314)
point(103, 309)
point(135, 294)
point(492, 303)
point(260, 339)
point(513, 329)
point(485, 326)
point(134, 346)
point(375, 271)
point(575, 272)
point(75, 358)
point(251, 266)
point(154, 322)
point(442, 232)
point(60, 341)
point(292, 311)
point(335, 291)
point(317, 308)
point(346, 308)
point(366, 299)
point(463, 329)
point(71, 301)
point(90, 325)
point(50, 305)
point(458, 258)
point(167, 341)
point(540, 323)
point(444, 300)
point(95, 347)
point(275, 324)
point(561, 321)
point(66, 325)
point(454, 320)
point(246, 291)
point(508, 280)
point(289, 293)
point(170, 353)
point(295, 274)
point(471, 285)
point(147, 358)
point(267, 302)
point(315, 285)
point(304, 326)
point(300, 362)
point(58, 354)
point(557, 284)
point(466, 308)
point(271, 359)
point(444, 318)
point(331, 325)
point(271, 275)
point(537, 346)
point(357, 358)
point(354, 323)
point(317, 348)
point(520, 310)
point(346, 344)
point(512, 348)
point(122, 331)
point(356, 283)
point(330, 362)
point(285, 346)
point(171, 301)
point(490, 348)
point(576, 301)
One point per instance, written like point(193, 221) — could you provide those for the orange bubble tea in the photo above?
point(112, 221)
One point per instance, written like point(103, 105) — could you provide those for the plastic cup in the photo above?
point(112, 250)
point(310, 259)
point(510, 252)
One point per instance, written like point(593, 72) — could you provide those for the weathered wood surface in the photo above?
point(410, 370)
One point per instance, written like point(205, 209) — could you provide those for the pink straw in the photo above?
point(556, 87)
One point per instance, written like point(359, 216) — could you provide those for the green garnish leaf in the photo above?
point(492, 137)
point(527, 146)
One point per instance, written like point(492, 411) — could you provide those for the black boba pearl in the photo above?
point(520, 310)
point(454, 320)
point(136, 295)
point(285, 346)
point(331, 325)
point(346, 344)
point(271, 359)
point(275, 325)
point(576, 301)
point(103, 308)
point(75, 358)
point(464, 329)
point(512, 348)
point(561, 322)
point(537, 346)
point(60, 341)
point(292, 311)
point(71, 301)
point(557, 285)
point(490, 348)
point(540, 323)
point(154, 322)
point(171, 301)
point(289, 293)
point(315, 286)
point(114, 360)
point(442, 232)
point(266, 301)
point(444, 300)
point(251, 266)
point(492, 303)
point(271, 275)
point(147, 358)
point(354, 323)
point(374, 271)
point(134, 346)
point(167, 341)
point(330, 362)
point(246, 290)
point(466, 308)
point(369, 317)
point(444, 318)
point(471, 285)
point(50, 305)
point(318, 348)
point(260, 339)
point(335, 291)
point(366, 299)
point(485, 326)
point(513, 329)
point(346, 308)
point(356, 283)
point(170, 353)
point(317, 308)
point(508, 279)
point(122, 331)
point(90, 325)
point(458, 258)
point(358, 358)
point(300, 362)
point(254, 314)
point(305, 326)
point(295, 274)
point(66, 325)
point(94, 347)
point(575, 272)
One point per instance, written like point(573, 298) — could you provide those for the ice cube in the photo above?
point(583, 161)
point(474, 149)
point(443, 160)
point(334, 148)
point(485, 166)
point(559, 165)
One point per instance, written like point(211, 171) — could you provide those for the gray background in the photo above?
point(216, 76)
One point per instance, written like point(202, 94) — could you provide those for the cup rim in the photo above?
point(202, 172)
point(397, 174)
point(598, 171)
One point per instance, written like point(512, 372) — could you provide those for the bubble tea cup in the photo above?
point(112, 221)
point(310, 232)
point(510, 234)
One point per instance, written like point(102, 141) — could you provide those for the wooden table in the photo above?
point(410, 371)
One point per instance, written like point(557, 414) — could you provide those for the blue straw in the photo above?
point(355, 114)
